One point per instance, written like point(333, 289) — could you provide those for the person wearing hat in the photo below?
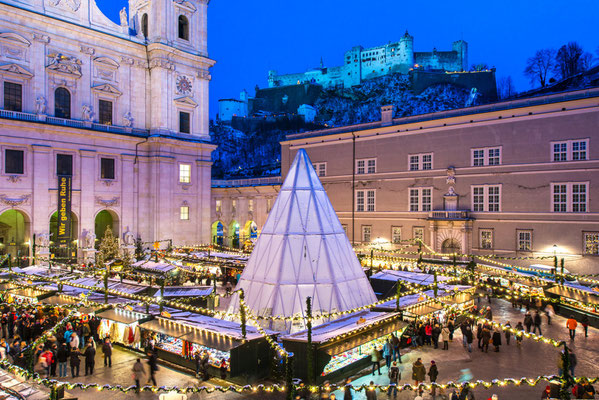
point(433, 373)
point(394, 378)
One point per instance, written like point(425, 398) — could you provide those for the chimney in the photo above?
point(387, 115)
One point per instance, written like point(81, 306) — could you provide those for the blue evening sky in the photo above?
point(249, 37)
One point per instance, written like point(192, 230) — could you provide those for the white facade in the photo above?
point(75, 83)
point(308, 112)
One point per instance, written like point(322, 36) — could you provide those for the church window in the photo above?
point(13, 96)
point(144, 25)
point(184, 125)
point(62, 103)
point(14, 162)
point(107, 168)
point(105, 114)
point(183, 27)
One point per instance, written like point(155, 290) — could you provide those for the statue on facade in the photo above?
point(128, 119)
point(42, 240)
point(472, 99)
point(128, 238)
point(89, 240)
point(123, 15)
point(450, 180)
point(40, 105)
point(87, 113)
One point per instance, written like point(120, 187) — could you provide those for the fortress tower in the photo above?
point(461, 47)
point(406, 51)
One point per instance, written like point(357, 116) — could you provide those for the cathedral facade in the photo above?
point(102, 125)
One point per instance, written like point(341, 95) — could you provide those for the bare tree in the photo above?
point(505, 87)
point(571, 59)
point(539, 66)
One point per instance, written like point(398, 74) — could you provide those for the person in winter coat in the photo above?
point(488, 314)
point(479, 335)
point(537, 323)
point(428, 334)
point(445, 337)
point(418, 372)
point(396, 344)
point(588, 391)
point(528, 321)
point(394, 378)
point(371, 391)
point(496, 339)
point(347, 394)
point(62, 356)
point(74, 341)
point(508, 334)
point(435, 335)
point(585, 325)
point(519, 328)
point(433, 373)
point(75, 362)
point(138, 373)
point(388, 352)
point(469, 337)
point(90, 358)
point(486, 336)
point(152, 367)
point(571, 324)
point(54, 350)
point(223, 369)
point(375, 359)
point(107, 351)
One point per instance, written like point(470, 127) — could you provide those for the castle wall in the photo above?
point(483, 81)
point(445, 60)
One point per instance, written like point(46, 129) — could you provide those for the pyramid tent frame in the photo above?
point(303, 251)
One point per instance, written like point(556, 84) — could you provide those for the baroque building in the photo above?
point(361, 64)
point(514, 178)
point(121, 110)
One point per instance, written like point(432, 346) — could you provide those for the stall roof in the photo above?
point(211, 326)
point(31, 293)
point(122, 315)
point(39, 270)
point(159, 267)
point(186, 291)
point(578, 294)
point(425, 309)
point(516, 277)
point(352, 323)
point(408, 276)
point(128, 287)
point(61, 300)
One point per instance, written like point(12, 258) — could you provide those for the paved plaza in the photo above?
point(529, 360)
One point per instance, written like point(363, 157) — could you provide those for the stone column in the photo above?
point(41, 202)
point(203, 205)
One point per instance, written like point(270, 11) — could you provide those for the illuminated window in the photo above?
point(418, 233)
point(524, 240)
point(396, 234)
point(184, 173)
point(184, 212)
point(591, 243)
point(486, 238)
point(366, 233)
point(219, 205)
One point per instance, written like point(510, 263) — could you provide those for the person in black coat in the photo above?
point(433, 373)
point(75, 362)
point(90, 359)
point(496, 339)
point(152, 367)
point(62, 356)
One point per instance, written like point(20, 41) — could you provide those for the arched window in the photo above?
point(183, 27)
point(62, 103)
point(144, 25)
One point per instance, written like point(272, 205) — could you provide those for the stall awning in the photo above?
point(574, 294)
point(30, 293)
point(459, 298)
point(354, 340)
point(424, 309)
point(166, 327)
point(122, 315)
point(157, 267)
point(212, 340)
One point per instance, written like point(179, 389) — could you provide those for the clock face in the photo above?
point(183, 84)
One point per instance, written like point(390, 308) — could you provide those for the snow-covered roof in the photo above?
point(303, 251)
point(343, 326)
point(129, 288)
point(408, 276)
point(185, 291)
point(152, 266)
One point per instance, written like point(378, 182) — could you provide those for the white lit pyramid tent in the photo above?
point(303, 251)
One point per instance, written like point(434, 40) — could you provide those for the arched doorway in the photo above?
point(234, 234)
point(218, 233)
point(250, 231)
point(105, 219)
point(14, 236)
point(451, 245)
point(64, 252)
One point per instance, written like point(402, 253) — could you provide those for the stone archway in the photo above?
point(218, 233)
point(234, 234)
point(103, 220)
point(451, 245)
point(15, 236)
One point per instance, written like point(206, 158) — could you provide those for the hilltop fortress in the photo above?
point(362, 64)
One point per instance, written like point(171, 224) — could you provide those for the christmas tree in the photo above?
point(109, 248)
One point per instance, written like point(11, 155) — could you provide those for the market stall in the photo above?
point(343, 345)
point(384, 282)
point(122, 326)
point(178, 340)
point(27, 295)
point(199, 296)
point(577, 302)
point(155, 268)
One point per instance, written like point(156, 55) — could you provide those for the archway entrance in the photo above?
point(218, 233)
point(64, 252)
point(234, 234)
point(250, 231)
point(105, 219)
point(451, 245)
point(14, 236)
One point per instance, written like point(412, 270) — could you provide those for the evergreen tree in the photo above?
point(109, 248)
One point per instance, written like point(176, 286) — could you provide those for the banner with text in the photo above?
point(64, 209)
